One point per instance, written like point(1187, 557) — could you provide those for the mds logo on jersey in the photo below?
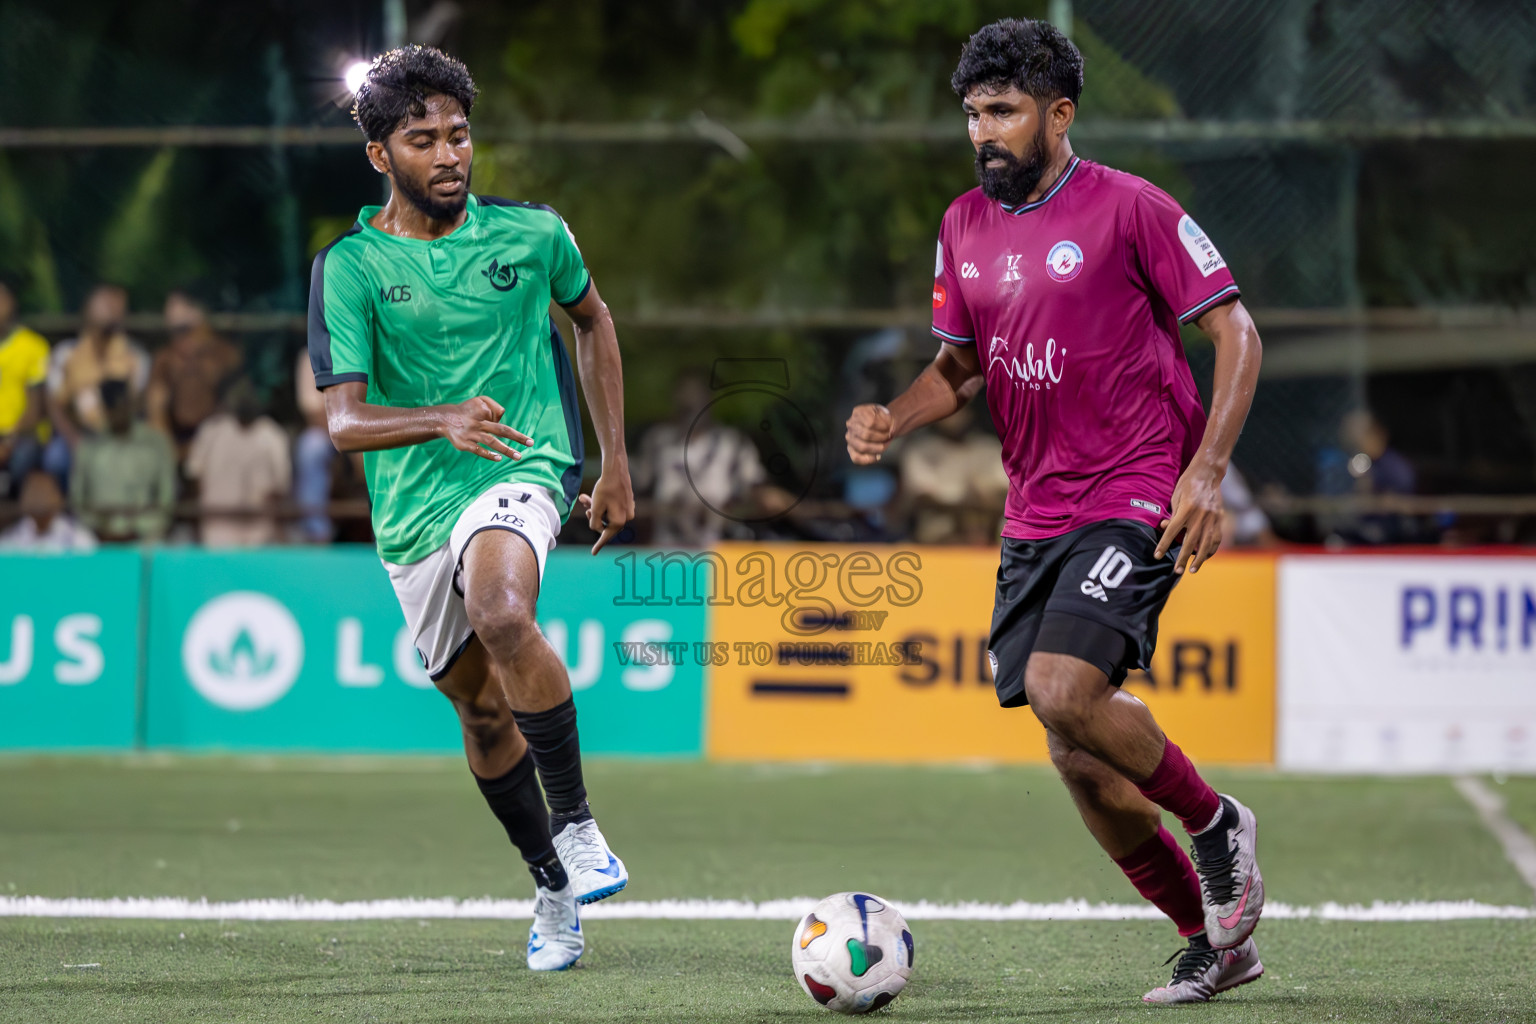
point(395, 293)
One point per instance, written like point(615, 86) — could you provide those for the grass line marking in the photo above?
point(296, 909)
point(1518, 845)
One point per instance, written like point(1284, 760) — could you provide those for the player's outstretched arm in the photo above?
point(474, 426)
point(1196, 510)
point(612, 502)
point(945, 384)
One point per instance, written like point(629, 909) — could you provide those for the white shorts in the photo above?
point(431, 591)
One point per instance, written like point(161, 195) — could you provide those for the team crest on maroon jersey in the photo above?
point(1064, 262)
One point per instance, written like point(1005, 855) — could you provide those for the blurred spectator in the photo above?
point(123, 484)
point(188, 374)
point(44, 527)
point(240, 459)
point(953, 481)
point(1243, 522)
point(23, 371)
point(1364, 463)
point(726, 471)
point(80, 366)
point(313, 456)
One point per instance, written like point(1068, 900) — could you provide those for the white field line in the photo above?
point(295, 909)
point(1518, 845)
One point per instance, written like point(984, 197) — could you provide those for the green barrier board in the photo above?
point(69, 650)
point(306, 649)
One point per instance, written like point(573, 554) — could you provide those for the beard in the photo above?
point(420, 195)
point(1011, 183)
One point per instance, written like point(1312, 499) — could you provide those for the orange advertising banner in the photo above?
point(879, 654)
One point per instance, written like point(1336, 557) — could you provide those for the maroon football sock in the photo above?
point(1162, 873)
point(1175, 786)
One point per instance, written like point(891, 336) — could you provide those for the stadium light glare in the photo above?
point(355, 74)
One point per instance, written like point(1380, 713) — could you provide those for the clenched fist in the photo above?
point(870, 430)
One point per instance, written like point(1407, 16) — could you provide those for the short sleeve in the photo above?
point(340, 339)
point(569, 280)
point(951, 318)
point(36, 370)
point(1176, 258)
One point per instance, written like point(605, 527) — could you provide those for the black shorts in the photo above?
point(1094, 593)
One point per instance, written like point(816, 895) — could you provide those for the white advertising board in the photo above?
point(1407, 664)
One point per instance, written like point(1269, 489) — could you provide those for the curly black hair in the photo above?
point(1033, 55)
point(398, 83)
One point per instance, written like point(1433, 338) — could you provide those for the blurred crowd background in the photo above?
point(763, 180)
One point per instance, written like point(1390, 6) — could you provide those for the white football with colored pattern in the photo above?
point(852, 953)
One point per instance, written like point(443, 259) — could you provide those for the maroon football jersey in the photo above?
point(1074, 302)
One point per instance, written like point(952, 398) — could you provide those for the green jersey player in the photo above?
point(430, 335)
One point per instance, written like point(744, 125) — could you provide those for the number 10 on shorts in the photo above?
point(1110, 571)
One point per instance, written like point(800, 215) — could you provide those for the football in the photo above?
point(852, 953)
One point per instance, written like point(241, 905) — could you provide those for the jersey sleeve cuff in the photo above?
point(325, 380)
point(1226, 294)
point(953, 339)
point(567, 303)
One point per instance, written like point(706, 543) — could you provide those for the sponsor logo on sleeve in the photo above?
point(1199, 247)
point(939, 295)
point(1065, 261)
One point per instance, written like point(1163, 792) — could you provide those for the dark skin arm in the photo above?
point(612, 503)
point(940, 390)
point(1196, 511)
point(471, 426)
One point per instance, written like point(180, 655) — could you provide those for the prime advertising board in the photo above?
point(1407, 664)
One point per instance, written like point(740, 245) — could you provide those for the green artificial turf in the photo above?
point(227, 829)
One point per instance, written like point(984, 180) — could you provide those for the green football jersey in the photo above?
point(434, 323)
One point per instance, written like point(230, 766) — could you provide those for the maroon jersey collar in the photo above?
point(1065, 176)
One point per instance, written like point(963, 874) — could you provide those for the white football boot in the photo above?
point(1201, 973)
point(555, 941)
point(1230, 885)
point(595, 872)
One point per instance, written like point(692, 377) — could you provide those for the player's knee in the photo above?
point(504, 626)
point(1057, 699)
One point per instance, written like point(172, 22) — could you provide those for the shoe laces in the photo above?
point(586, 849)
point(1192, 963)
point(1218, 875)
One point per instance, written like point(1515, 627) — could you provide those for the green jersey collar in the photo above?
point(458, 234)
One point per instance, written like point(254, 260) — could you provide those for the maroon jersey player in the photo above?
point(1061, 284)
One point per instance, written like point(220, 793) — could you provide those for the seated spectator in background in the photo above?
point(954, 483)
point(313, 457)
point(1364, 463)
point(44, 527)
point(123, 484)
point(189, 373)
point(239, 458)
point(79, 367)
point(727, 471)
point(1243, 522)
point(23, 371)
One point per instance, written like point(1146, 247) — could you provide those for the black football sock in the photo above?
point(552, 741)
point(519, 806)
